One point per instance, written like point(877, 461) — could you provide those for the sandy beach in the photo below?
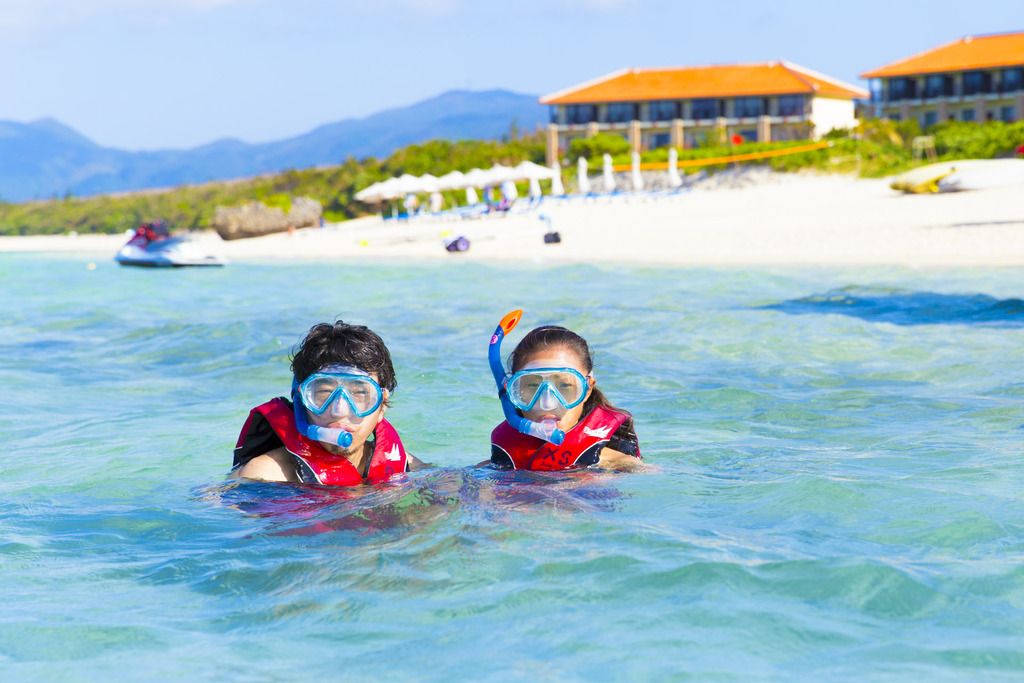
point(754, 218)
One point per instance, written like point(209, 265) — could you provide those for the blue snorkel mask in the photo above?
point(334, 387)
point(548, 430)
point(547, 388)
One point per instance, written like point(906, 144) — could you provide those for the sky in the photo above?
point(176, 74)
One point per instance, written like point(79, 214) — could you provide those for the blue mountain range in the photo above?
point(45, 158)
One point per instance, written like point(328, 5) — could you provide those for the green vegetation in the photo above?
point(597, 146)
point(796, 161)
point(884, 147)
point(191, 207)
point(875, 149)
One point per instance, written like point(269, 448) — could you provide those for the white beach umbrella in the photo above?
point(527, 170)
point(428, 183)
point(455, 180)
point(405, 184)
point(391, 188)
point(609, 174)
point(581, 176)
point(498, 174)
point(369, 194)
point(471, 197)
point(638, 179)
point(476, 177)
point(375, 193)
point(557, 190)
point(535, 188)
point(674, 181)
point(509, 191)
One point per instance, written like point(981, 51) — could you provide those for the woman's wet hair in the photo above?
point(344, 344)
point(550, 337)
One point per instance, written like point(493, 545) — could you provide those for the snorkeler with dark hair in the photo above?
point(555, 416)
point(333, 430)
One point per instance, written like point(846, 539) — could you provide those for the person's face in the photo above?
point(558, 357)
point(339, 415)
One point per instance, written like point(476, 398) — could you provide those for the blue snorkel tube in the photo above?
point(546, 431)
point(316, 432)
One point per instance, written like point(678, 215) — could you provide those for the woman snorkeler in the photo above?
point(555, 416)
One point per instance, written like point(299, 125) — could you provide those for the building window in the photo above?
point(554, 114)
point(1012, 80)
point(791, 105)
point(967, 115)
point(704, 109)
point(938, 86)
point(747, 107)
point(902, 89)
point(580, 113)
point(621, 112)
point(930, 118)
point(1008, 114)
point(663, 110)
point(660, 140)
point(977, 82)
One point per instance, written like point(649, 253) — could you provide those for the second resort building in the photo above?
point(684, 106)
point(976, 78)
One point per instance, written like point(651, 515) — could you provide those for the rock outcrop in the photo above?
point(255, 219)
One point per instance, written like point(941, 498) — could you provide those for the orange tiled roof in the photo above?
point(977, 52)
point(726, 80)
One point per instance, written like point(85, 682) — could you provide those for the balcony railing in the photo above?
point(687, 123)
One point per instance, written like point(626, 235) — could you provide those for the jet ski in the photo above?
point(152, 246)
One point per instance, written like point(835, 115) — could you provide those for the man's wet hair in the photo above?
point(344, 344)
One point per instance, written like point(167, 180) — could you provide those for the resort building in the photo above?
point(977, 78)
point(684, 106)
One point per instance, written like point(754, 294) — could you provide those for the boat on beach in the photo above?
point(997, 174)
point(152, 246)
point(961, 174)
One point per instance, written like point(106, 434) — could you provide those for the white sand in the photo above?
point(758, 218)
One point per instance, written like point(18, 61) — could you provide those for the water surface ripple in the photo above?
point(833, 491)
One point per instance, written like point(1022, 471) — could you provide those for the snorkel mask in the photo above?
point(547, 430)
point(337, 389)
point(546, 388)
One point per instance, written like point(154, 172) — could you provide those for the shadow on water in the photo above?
point(413, 501)
point(901, 307)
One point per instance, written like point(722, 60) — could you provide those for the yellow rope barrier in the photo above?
point(684, 163)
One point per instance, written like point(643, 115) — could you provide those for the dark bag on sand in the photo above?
point(458, 244)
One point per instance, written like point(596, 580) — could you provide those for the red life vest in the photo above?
point(581, 447)
point(316, 465)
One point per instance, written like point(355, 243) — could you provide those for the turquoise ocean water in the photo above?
point(834, 489)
